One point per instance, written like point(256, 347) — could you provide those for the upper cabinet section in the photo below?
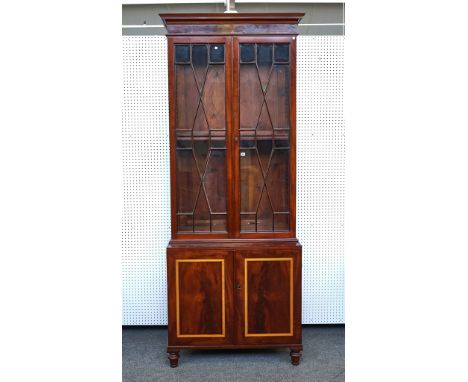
point(231, 23)
point(232, 125)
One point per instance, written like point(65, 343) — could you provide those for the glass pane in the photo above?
point(264, 138)
point(185, 223)
point(247, 52)
point(200, 62)
point(200, 139)
point(265, 213)
point(282, 142)
point(264, 62)
point(264, 148)
point(264, 121)
point(201, 151)
point(218, 223)
point(201, 215)
point(183, 143)
point(277, 180)
point(186, 97)
point(217, 53)
point(264, 54)
point(182, 53)
point(200, 126)
point(277, 97)
point(247, 143)
point(248, 223)
point(215, 181)
point(251, 180)
point(217, 142)
point(188, 181)
point(214, 97)
point(281, 52)
point(251, 96)
point(281, 222)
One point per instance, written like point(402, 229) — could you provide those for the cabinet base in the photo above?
point(173, 351)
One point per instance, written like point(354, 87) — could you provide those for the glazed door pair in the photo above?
point(228, 297)
point(233, 134)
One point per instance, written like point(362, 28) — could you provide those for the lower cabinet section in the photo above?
point(234, 298)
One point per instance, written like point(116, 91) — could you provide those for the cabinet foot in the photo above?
point(295, 356)
point(173, 358)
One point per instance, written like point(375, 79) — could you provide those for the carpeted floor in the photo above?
point(144, 358)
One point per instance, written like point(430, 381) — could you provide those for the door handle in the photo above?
point(237, 286)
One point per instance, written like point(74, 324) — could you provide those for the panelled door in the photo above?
point(268, 296)
point(200, 296)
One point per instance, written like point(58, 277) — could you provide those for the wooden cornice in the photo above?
point(231, 18)
point(231, 23)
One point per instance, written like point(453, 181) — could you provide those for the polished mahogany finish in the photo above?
point(231, 23)
point(200, 289)
point(233, 263)
point(268, 298)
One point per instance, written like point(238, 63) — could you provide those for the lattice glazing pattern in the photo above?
point(200, 137)
point(320, 178)
point(264, 77)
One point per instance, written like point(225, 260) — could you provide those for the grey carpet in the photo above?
point(144, 358)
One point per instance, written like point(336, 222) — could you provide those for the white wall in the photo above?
point(320, 177)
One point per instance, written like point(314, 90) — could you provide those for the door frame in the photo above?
point(237, 40)
point(227, 41)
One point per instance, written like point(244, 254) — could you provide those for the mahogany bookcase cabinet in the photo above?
point(233, 263)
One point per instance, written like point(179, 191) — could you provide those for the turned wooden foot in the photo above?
point(295, 356)
point(173, 358)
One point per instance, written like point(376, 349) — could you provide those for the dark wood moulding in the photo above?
point(231, 23)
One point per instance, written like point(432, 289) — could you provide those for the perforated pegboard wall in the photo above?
point(146, 205)
point(320, 174)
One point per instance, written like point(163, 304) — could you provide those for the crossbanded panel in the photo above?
point(320, 178)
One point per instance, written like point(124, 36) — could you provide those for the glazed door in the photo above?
point(268, 296)
point(200, 75)
point(232, 136)
point(264, 129)
point(200, 296)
